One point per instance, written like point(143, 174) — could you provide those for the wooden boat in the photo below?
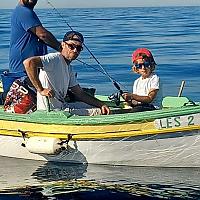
point(168, 137)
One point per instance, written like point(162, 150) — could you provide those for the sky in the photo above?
point(103, 3)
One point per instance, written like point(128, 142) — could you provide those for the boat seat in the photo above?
point(175, 102)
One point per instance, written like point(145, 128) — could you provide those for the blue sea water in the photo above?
point(112, 34)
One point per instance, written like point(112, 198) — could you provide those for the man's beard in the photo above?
point(29, 4)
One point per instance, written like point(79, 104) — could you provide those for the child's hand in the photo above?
point(127, 96)
point(134, 102)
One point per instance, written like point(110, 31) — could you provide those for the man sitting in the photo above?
point(56, 76)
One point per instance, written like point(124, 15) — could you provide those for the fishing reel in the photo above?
point(115, 98)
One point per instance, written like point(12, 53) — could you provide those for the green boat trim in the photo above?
point(65, 118)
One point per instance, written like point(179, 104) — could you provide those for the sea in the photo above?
point(111, 35)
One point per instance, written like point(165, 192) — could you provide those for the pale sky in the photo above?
point(103, 3)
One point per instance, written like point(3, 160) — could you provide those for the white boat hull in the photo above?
point(175, 150)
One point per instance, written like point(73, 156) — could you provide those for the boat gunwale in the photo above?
point(63, 118)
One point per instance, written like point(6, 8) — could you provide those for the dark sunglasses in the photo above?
point(140, 65)
point(73, 46)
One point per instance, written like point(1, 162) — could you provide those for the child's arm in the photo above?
point(134, 98)
point(145, 99)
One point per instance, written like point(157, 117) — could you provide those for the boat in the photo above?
point(168, 137)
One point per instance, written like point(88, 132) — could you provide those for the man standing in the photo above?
point(28, 36)
point(56, 77)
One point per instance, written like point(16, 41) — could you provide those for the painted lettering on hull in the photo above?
point(178, 121)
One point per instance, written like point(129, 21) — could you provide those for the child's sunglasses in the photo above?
point(140, 65)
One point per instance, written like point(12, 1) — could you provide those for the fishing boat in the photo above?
point(168, 137)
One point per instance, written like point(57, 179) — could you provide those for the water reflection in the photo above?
point(59, 171)
point(19, 172)
point(36, 178)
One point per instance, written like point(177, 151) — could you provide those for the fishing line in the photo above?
point(58, 13)
point(93, 56)
point(90, 66)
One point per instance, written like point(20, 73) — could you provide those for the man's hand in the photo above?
point(105, 110)
point(47, 92)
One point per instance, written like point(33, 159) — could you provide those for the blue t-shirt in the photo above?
point(23, 43)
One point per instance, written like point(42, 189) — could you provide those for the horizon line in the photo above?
point(158, 6)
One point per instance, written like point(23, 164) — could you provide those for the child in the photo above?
point(146, 91)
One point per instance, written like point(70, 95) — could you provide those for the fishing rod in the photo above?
point(93, 56)
point(113, 97)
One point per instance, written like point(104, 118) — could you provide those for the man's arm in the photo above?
point(47, 37)
point(32, 66)
point(83, 96)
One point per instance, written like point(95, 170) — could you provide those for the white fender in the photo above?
point(43, 145)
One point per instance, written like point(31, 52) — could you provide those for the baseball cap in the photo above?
point(141, 52)
point(73, 35)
